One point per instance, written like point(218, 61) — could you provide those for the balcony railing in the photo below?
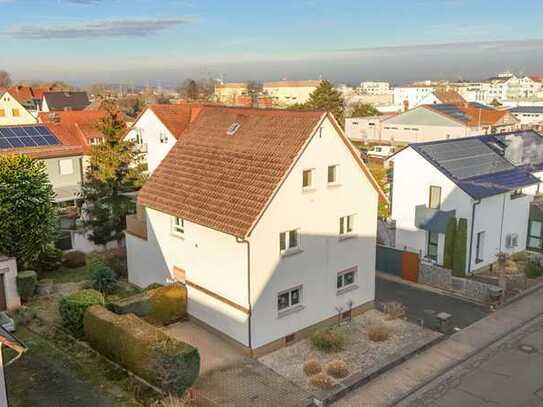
point(136, 226)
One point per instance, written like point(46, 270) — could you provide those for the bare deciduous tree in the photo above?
point(5, 79)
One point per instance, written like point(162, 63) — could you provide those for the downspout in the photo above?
point(238, 240)
point(501, 224)
point(475, 203)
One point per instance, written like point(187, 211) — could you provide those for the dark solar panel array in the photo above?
point(465, 158)
point(451, 110)
point(26, 136)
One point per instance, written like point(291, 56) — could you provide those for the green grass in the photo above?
point(67, 275)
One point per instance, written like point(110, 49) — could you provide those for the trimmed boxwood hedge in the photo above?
point(143, 349)
point(72, 309)
point(26, 284)
point(137, 304)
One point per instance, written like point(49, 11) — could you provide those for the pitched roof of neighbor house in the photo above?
point(476, 165)
point(536, 78)
point(468, 115)
point(66, 100)
point(527, 109)
point(224, 171)
point(449, 96)
point(176, 118)
point(293, 84)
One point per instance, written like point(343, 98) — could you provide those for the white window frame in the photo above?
point(163, 138)
point(341, 286)
point(336, 172)
point(311, 185)
point(346, 226)
point(290, 306)
point(178, 226)
point(480, 247)
point(66, 167)
point(286, 236)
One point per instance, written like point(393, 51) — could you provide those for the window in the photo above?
point(346, 278)
point(535, 234)
point(15, 112)
point(307, 181)
point(435, 197)
point(346, 225)
point(517, 193)
point(163, 138)
point(289, 299)
point(178, 226)
point(433, 241)
point(2, 113)
point(332, 174)
point(480, 247)
point(139, 136)
point(289, 241)
point(66, 167)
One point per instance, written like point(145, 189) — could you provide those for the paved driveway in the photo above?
point(423, 305)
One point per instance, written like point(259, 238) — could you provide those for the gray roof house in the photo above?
point(64, 100)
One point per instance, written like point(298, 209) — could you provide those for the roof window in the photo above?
point(234, 127)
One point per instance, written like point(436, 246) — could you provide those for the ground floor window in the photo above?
point(346, 278)
point(480, 247)
point(535, 230)
point(433, 241)
point(288, 299)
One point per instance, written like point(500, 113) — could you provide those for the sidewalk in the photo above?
point(398, 383)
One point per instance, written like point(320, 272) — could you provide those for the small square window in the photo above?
point(346, 225)
point(163, 138)
point(2, 113)
point(15, 112)
point(346, 278)
point(66, 167)
point(307, 179)
point(289, 241)
point(332, 174)
point(288, 299)
point(178, 226)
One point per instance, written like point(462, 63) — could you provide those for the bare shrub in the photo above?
point(394, 310)
point(337, 369)
point(312, 367)
point(378, 332)
point(322, 381)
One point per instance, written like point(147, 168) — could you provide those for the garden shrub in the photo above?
point(394, 310)
point(378, 332)
point(72, 309)
point(26, 284)
point(322, 381)
point(138, 304)
point(50, 259)
point(115, 259)
point(74, 259)
point(461, 236)
point(143, 349)
point(450, 239)
point(337, 369)
point(328, 340)
point(167, 304)
point(153, 286)
point(533, 269)
point(102, 277)
point(312, 367)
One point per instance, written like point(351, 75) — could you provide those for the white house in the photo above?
point(268, 217)
point(487, 180)
point(409, 97)
point(528, 116)
point(286, 93)
point(375, 88)
point(158, 128)
point(12, 112)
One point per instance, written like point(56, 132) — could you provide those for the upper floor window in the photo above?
point(178, 226)
point(435, 197)
point(332, 174)
point(289, 241)
point(66, 167)
point(2, 113)
point(163, 138)
point(346, 225)
point(307, 181)
point(15, 112)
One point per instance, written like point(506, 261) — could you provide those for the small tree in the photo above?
point(363, 110)
point(5, 79)
point(28, 223)
point(115, 167)
point(450, 238)
point(459, 261)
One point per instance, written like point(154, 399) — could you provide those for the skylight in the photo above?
point(234, 127)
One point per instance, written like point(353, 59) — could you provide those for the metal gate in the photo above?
point(398, 263)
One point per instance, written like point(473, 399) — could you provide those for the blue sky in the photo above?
point(86, 40)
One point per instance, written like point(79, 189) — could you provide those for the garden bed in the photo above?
point(359, 353)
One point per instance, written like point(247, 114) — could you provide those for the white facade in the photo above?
point(154, 138)
point(219, 262)
point(13, 113)
point(286, 93)
point(529, 117)
point(409, 97)
point(499, 216)
point(375, 88)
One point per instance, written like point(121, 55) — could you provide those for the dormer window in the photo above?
point(234, 127)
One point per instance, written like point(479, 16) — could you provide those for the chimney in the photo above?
point(405, 105)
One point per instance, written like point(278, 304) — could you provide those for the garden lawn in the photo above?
point(68, 275)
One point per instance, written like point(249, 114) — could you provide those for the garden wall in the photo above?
point(439, 277)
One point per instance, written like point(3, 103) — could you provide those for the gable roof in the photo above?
point(435, 110)
point(449, 96)
point(66, 100)
point(469, 115)
point(176, 118)
point(476, 167)
point(224, 181)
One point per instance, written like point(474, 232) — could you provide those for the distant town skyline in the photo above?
point(141, 41)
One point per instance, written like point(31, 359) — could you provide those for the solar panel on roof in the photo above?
point(451, 110)
point(26, 136)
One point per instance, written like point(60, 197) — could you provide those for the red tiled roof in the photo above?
point(482, 117)
point(26, 93)
point(536, 78)
point(176, 118)
point(449, 96)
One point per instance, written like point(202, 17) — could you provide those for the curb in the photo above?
point(324, 398)
point(522, 294)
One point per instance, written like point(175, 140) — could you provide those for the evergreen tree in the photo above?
point(459, 261)
point(450, 238)
point(28, 222)
point(363, 110)
point(115, 168)
point(325, 98)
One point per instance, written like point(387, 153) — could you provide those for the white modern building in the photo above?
point(253, 211)
point(409, 97)
point(487, 180)
point(286, 93)
point(375, 88)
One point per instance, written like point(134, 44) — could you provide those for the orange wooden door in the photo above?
point(410, 266)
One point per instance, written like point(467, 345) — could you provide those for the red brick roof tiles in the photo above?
point(176, 118)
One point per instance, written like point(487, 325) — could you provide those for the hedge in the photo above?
point(143, 349)
point(72, 309)
point(136, 304)
point(26, 284)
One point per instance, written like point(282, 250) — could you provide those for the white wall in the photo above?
point(412, 94)
point(316, 213)
point(7, 104)
point(210, 259)
point(363, 128)
point(289, 95)
point(151, 128)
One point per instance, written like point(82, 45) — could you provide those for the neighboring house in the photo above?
point(12, 112)
point(286, 93)
point(429, 123)
point(487, 180)
point(9, 341)
point(443, 96)
point(158, 128)
point(253, 210)
point(64, 101)
point(229, 93)
point(29, 96)
point(375, 88)
point(528, 116)
point(409, 97)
